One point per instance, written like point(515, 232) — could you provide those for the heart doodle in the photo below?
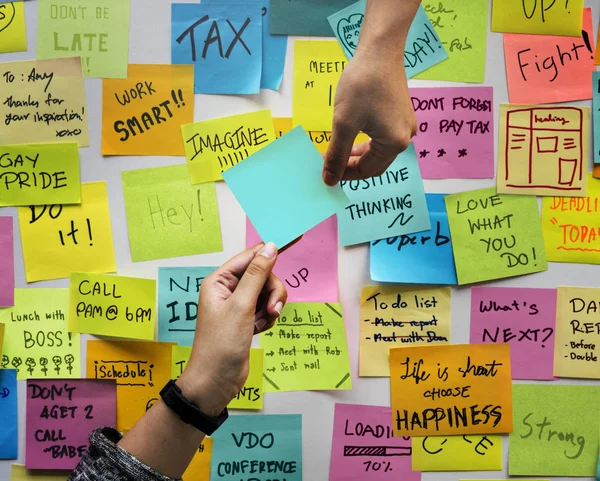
point(7, 15)
point(348, 30)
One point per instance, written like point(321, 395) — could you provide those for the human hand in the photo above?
point(241, 298)
point(372, 96)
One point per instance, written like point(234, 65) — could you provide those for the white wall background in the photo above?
point(150, 42)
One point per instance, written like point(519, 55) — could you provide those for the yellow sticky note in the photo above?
point(199, 468)
point(1, 337)
point(546, 17)
point(577, 341)
point(60, 239)
point(543, 150)
point(571, 226)
point(39, 174)
point(19, 473)
point(43, 101)
point(140, 368)
point(36, 341)
point(213, 146)
point(397, 316)
point(471, 452)
point(453, 389)
point(13, 36)
point(112, 306)
point(318, 65)
point(251, 395)
point(143, 114)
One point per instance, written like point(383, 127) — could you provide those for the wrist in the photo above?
point(207, 396)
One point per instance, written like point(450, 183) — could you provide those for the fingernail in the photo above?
point(269, 250)
point(329, 178)
point(260, 325)
point(279, 308)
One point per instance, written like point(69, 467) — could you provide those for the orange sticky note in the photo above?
point(549, 69)
point(143, 114)
point(199, 468)
point(597, 57)
point(453, 389)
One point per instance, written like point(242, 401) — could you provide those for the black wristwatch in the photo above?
point(188, 412)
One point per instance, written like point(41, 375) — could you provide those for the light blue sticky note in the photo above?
point(281, 188)
point(423, 46)
point(256, 440)
point(423, 258)
point(9, 435)
point(596, 119)
point(178, 291)
point(273, 50)
point(223, 43)
point(386, 206)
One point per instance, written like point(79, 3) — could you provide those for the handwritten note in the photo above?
point(571, 226)
point(141, 369)
point(178, 292)
point(199, 468)
point(142, 114)
point(223, 42)
point(61, 239)
point(523, 318)
point(275, 440)
point(39, 174)
point(179, 218)
point(495, 235)
point(544, 18)
point(304, 17)
point(318, 65)
point(9, 434)
point(44, 101)
point(395, 316)
point(547, 69)
point(251, 395)
point(457, 453)
point(455, 136)
point(19, 473)
point(13, 36)
point(596, 110)
point(7, 263)
point(389, 205)
point(454, 389)
point(556, 431)
point(60, 415)
point(303, 200)
point(462, 28)
point(36, 341)
point(363, 446)
point(99, 33)
point(423, 258)
point(213, 146)
point(306, 350)
point(309, 268)
point(112, 306)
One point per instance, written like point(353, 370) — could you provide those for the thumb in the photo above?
point(256, 275)
point(343, 136)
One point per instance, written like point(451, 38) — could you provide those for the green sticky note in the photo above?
point(97, 31)
point(306, 350)
point(39, 174)
point(167, 216)
point(495, 235)
point(462, 28)
point(304, 17)
point(555, 430)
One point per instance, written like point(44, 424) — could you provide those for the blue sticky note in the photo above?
point(423, 46)
point(247, 442)
point(273, 50)
point(596, 119)
point(281, 188)
point(389, 205)
point(223, 43)
point(423, 258)
point(178, 291)
point(9, 435)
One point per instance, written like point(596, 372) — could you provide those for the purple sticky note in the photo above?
point(7, 266)
point(455, 135)
point(308, 268)
point(363, 447)
point(60, 415)
point(522, 317)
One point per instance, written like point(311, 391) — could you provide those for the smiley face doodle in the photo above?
point(7, 15)
point(348, 30)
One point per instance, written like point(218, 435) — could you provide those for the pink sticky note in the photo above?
point(60, 415)
point(548, 69)
point(522, 317)
point(455, 132)
point(363, 447)
point(7, 266)
point(309, 267)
